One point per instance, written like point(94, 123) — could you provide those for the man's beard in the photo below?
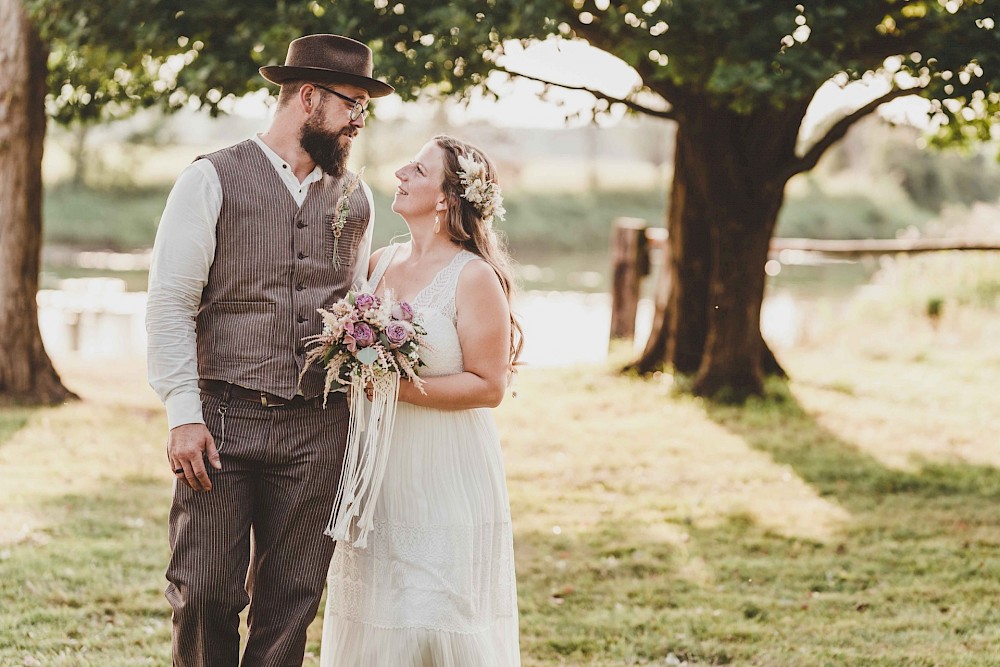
point(324, 146)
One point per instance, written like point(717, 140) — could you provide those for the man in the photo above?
point(253, 240)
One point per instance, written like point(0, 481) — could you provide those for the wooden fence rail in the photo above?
point(632, 239)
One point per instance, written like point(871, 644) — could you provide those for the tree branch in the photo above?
point(604, 41)
point(839, 129)
point(634, 106)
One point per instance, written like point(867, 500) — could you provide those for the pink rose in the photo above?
point(402, 311)
point(397, 333)
point(364, 301)
point(361, 333)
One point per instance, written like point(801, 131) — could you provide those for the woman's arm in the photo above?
point(484, 333)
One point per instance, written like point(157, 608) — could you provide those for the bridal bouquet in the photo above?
point(367, 343)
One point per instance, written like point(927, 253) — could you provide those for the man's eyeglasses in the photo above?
point(357, 110)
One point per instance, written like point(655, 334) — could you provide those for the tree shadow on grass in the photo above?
point(779, 426)
point(738, 594)
point(910, 576)
point(87, 588)
point(12, 420)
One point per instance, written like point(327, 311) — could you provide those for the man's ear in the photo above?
point(308, 98)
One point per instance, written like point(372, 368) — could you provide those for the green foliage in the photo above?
point(875, 212)
point(126, 218)
point(927, 283)
point(742, 54)
point(935, 178)
point(114, 218)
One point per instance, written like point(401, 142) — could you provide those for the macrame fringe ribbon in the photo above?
point(368, 438)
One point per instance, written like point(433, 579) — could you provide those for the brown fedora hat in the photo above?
point(328, 59)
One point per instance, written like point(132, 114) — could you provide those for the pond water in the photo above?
point(95, 306)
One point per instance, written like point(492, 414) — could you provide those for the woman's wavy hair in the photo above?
point(465, 225)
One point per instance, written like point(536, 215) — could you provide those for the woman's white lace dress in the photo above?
point(435, 585)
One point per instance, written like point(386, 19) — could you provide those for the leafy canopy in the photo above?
point(111, 58)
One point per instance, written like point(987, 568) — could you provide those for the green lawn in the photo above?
point(851, 518)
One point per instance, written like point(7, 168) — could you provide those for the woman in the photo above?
point(435, 585)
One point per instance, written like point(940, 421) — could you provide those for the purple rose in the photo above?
point(361, 333)
point(402, 311)
point(397, 333)
point(364, 301)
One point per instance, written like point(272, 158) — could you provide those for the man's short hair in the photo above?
point(289, 90)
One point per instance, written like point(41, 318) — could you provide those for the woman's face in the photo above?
point(419, 193)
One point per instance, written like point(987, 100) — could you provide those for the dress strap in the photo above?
point(383, 263)
point(441, 292)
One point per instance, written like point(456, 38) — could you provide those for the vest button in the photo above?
point(300, 224)
point(299, 287)
point(300, 319)
point(300, 351)
point(302, 255)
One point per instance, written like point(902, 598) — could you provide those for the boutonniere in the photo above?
point(341, 209)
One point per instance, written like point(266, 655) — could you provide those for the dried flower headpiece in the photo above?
point(479, 190)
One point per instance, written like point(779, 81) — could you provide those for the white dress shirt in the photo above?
point(182, 257)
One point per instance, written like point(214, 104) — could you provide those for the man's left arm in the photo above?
point(365, 245)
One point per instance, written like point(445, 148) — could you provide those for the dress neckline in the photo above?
point(435, 281)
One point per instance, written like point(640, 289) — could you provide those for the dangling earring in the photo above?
point(437, 223)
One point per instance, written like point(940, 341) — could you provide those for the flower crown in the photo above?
point(479, 191)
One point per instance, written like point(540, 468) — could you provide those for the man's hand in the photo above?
point(186, 448)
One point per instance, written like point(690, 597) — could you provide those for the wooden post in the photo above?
point(629, 263)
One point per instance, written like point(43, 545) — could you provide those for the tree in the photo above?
point(82, 62)
point(25, 370)
point(736, 76)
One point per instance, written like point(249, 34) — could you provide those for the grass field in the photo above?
point(125, 218)
point(850, 518)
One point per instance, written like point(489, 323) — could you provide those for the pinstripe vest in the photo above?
point(273, 267)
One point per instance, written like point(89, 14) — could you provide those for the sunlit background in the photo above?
point(568, 171)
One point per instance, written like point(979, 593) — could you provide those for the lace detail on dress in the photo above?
point(440, 293)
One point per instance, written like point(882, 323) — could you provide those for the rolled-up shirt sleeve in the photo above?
point(182, 258)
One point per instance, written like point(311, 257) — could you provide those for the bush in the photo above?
point(927, 283)
point(119, 219)
point(851, 211)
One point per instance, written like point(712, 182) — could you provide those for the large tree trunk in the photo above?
point(26, 373)
point(732, 358)
point(681, 323)
point(726, 194)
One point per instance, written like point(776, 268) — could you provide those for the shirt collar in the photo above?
point(283, 168)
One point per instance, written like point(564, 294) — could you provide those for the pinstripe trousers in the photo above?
point(257, 537)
